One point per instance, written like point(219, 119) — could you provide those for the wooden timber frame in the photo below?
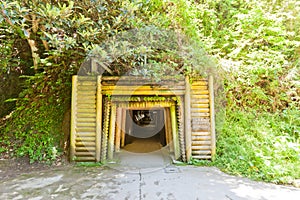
point(100, 103)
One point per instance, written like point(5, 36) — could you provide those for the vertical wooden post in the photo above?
point(98, 119)
point(169, 129)
point(123, 127)
point(166, 126)
point(105, 129)
point(212, 115)
point(112, 129)
point(181, 128)
point(118, 129)
point(187, 119)
point(175, 132)
point(73, 118)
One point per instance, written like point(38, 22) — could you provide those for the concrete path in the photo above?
point(169, 182)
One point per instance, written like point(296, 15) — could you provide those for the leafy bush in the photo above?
point(262, 146)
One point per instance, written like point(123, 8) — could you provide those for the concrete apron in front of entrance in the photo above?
point(187, 182)
point(131, 162)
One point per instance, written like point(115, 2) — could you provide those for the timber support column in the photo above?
point(73, 118)
point(98, 119)
point(212, 115)
point(187, 119)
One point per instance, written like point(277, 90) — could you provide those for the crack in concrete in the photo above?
point(140, 185)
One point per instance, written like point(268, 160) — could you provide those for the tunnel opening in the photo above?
point(145, 130)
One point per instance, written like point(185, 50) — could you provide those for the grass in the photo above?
point(261, 146)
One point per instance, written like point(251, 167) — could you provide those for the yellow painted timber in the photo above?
point(86, 129)
point(85, 144)
point(73, 118)
point(200, 115)
point(85, 124)
point(175, 132)
point(212, 116)
point(85, 148)
point(200, 92)
point(203, 82)
point(200, 101)
point(201, 133)
point(98, 119)
point(200, 110)
point(202, 157)
point(118, 130)
point(203, 96)
point(201, 152)
point(208, 147)
point(200, 142)
point(86, 153)
point(153, 92)
point(188, 119)
point(201, 138)
point(85, 134)
point(123, 127)
point(88, 139)
point(111, 136)
point(197, 87)
point(200, 105)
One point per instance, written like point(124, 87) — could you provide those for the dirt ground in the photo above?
point(13, 167)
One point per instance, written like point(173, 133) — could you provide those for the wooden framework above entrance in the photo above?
point(99, 103)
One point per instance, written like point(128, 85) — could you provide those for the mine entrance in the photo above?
point(145, 130)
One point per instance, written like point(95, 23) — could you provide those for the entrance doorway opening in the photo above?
point(145, 130)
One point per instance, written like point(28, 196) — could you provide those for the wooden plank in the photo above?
point(201, 147)
point(84, 115)
point(202, 96)
point(196, 143)
point(202, 82)
point(201, 157)
point(85, 134)
point(200, 133)
point(187, 119)
point(200, 114)
point(212, 116)
point(85, 159)
point(197, 87)
point(87, 78)
point(91, 119)
point(199, 92)
point(86, 101)
point(175, 132)
point(200, 105)
point(168, 129)
point(201, 110)
point(112, 129)
point(118, 130)
point(98, 119)
point(86, 92)
point(123, 130)
point(86, 129)
point(88, 106)
point(201, 138)
point(73, 118)
point(201, 152)
point(153, 92)
point(87, 87)
point(86, 139)
point(85, 144)
point(85, 124)
point(86, 154)
point(199, 101)
point(85, 148)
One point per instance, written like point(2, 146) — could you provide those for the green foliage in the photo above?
point(261, 146)
point(255, 45)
